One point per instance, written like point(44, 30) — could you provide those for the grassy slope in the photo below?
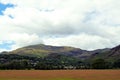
point(31, 52)
point(41, 50)
point(105, 55)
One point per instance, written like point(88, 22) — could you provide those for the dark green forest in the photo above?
point(57, 62)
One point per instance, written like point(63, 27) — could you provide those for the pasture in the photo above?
point(59, 74)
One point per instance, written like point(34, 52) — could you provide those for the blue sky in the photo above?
point(3, 7)
point(6, 45)
point(83, 24)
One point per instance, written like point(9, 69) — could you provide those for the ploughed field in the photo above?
point(59, 74)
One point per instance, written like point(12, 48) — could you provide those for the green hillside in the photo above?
point(46, 57)
point(42, 50)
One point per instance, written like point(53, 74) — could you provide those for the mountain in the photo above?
point(115, 52)
point(108, 54)
point(42, 50)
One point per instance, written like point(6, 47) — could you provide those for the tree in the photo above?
point(100, 64)
point(116, 64)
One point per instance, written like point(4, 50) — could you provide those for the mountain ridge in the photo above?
point(41, 50)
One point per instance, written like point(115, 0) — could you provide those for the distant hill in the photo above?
point(110, 54)
point(42, 50)
point(115, 52)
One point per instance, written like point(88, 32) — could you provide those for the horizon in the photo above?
point(58, 46)
point(84, 24)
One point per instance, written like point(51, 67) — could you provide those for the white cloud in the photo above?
point(81, 40)
point(1, 50)
point(78, 23)
point(24, 39)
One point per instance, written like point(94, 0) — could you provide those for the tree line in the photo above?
point(59, 61)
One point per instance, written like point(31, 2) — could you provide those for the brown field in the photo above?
point(59, 74)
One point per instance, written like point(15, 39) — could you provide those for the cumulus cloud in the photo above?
point(92, 41)
point(24, 39)
point(79, 23)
